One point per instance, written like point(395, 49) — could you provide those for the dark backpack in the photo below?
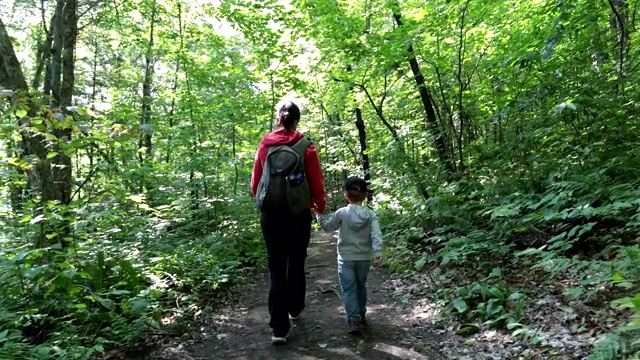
point(283, 186)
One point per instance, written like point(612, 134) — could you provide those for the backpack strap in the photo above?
point(301, 146)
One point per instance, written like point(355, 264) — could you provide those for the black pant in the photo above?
point(287, 238)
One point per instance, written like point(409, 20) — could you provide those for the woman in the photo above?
point(287, 234)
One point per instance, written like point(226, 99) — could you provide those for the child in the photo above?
point(359, 234)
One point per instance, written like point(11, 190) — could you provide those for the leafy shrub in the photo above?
point(494, 305)
point(624, 340)
point(119, 279)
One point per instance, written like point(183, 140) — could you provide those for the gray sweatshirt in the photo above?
point(359, 232)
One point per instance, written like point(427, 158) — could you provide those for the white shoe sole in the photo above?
point(278, 340)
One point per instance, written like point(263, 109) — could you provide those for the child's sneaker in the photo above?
point(278, 340)
point(294, 318)
point(353, 327)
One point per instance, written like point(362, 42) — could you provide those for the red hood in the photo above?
point(280, 137)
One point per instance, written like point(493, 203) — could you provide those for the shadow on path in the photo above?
point(241, 331)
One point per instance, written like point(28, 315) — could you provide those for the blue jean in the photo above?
point(353, 283)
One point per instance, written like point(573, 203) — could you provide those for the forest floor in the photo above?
point(403, 323)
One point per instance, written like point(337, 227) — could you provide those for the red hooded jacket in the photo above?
point(311, 165)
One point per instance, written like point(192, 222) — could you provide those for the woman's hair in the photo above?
point(287, 115)
point(356, 189)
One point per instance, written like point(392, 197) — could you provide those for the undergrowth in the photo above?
point(581, 227)
point(119, 282)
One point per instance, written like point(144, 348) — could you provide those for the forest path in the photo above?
point(240, 330)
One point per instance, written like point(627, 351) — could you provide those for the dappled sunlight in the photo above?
point(373, 308)
point(427, 312)
point(497, 142)
point(158, 281)
point(402, 353)
point(240, 330)
point(344, 352)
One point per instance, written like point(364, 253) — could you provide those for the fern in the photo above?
point(608, 348)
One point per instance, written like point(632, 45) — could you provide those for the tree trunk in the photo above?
point(44, 51)
point(334, 119)
point(58, 186)
point(94, 92)
point(462, 114)
point(235, 159)
point(55, 64)
point(51, 176)
point(70, 33)
point(12, 78)
point(11, 75)
point(174, 89)
point(362, 137)
point(61, 169)
point(619, 20)
point(432, 122)
point(145, 139)
point(50, 52)
point(405, 159)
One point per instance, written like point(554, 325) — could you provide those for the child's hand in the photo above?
point(377, 261)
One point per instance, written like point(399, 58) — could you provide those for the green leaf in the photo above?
point(497, 293)
point(618, 276)
point(20, 113)
point(491, 307)
point(462, 292)
point(515, 296)
point(43, 351)
point(26, 218)
point(574, 292)
point(107, 303)
point(460, 305)
point(138, 306)
point(496, 273)
point(535, 340)
point(624, 284)
point(468, 329)
point(504, 211)
point(478, 289)
point(52, 155)
point(20, 256)
point(513, 325)
point(120, 292)
point(519, 307)
point(420, 263)
point(495, 309)
point(520, 331)
point(37, 219)
point(137, 198)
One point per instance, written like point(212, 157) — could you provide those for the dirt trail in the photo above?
point(240, 331)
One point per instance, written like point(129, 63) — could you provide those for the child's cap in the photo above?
point(355, 183)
